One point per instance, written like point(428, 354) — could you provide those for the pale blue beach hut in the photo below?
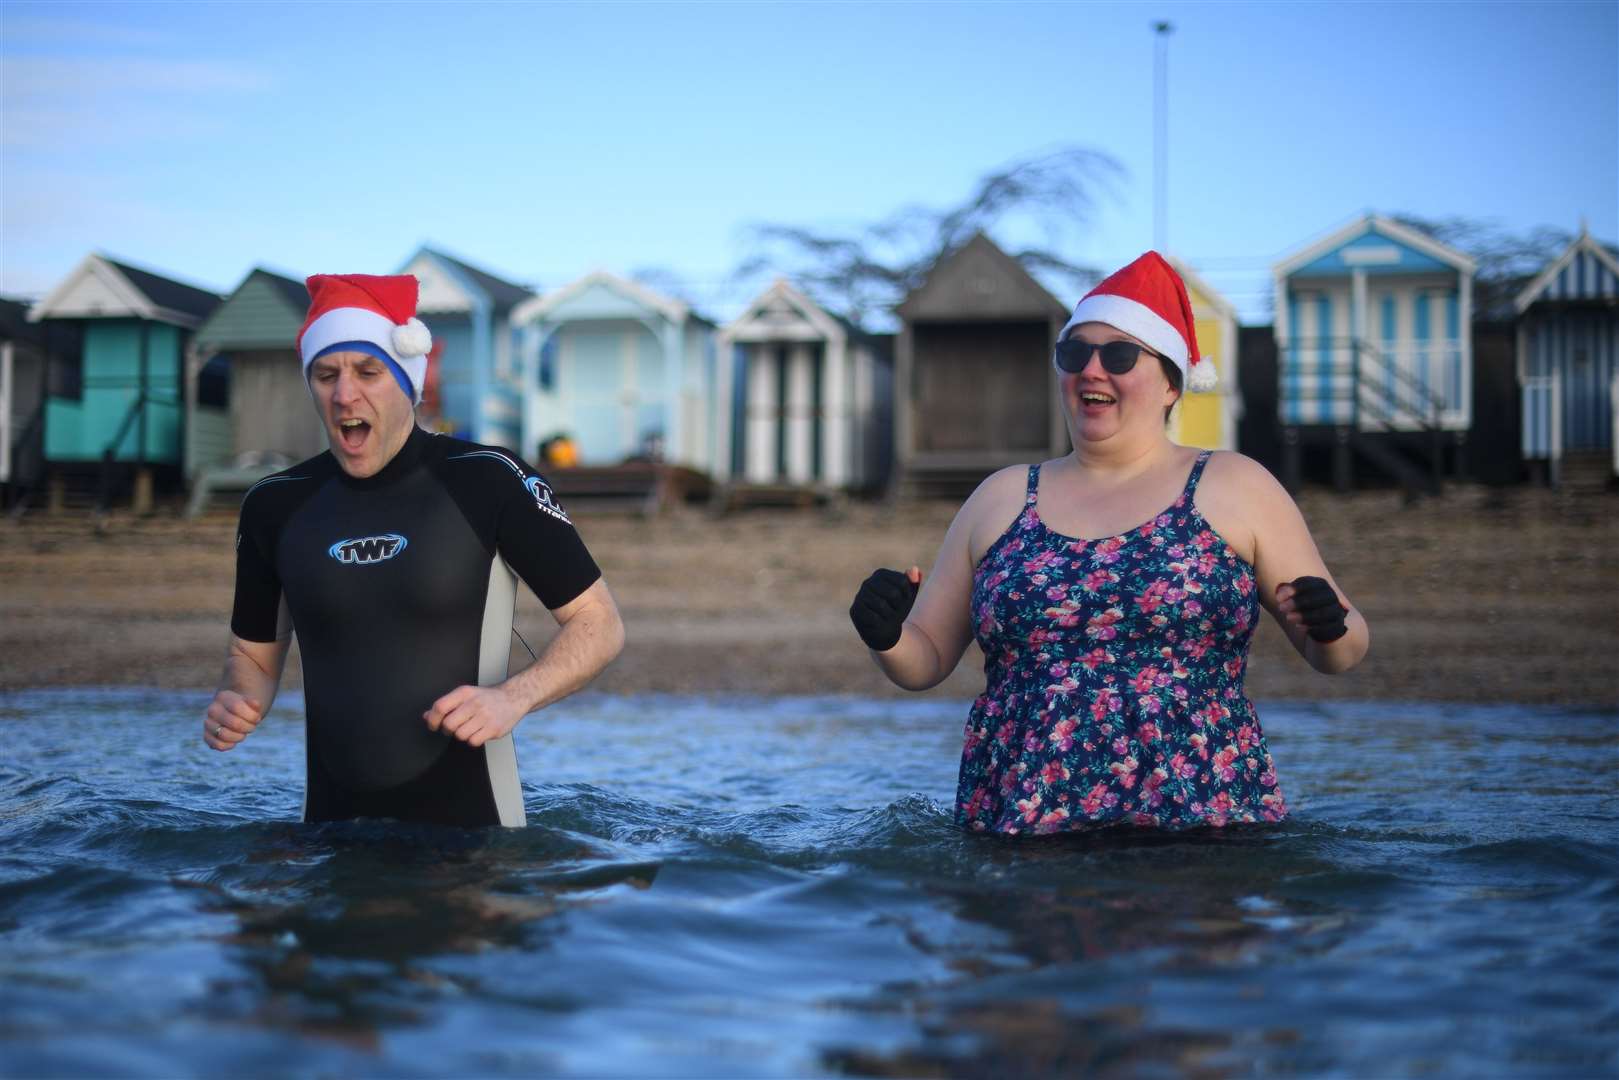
point(469, 310)
point(1373, 334)
point(1568, 341)
point(123, 412)
point(623, 370)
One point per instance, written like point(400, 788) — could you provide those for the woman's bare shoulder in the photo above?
point(993, 506)
point(1239, 477)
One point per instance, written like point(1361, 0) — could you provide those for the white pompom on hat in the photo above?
point(372, 309)
point(1148, 301)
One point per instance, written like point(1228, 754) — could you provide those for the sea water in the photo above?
point(728, 886)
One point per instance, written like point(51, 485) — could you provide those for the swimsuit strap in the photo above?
point(1032, 496)
point(1197, 473)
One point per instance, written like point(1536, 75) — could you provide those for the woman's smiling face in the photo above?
point(1099, 405)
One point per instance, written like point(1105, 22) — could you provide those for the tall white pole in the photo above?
point(1160, 143)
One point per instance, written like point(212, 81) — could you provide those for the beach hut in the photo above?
point(248, 410)
point(807, 394)
point(1568, 341)
point(1373, 332)
point(973, 384)
point(124, 413)
point(477, 393)
point(34, 359)
point(1210, 419)
point(627, 373)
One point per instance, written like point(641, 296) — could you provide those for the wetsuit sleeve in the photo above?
point(536, 538)
point(256, 615)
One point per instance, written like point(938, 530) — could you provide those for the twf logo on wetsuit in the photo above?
point(368, 549)
point(543, 498)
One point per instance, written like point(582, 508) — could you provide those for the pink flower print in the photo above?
point(1144, 681)
point(1233, 667)
point(1104, 702)
point(1244, 584)
point(1107, 551)
point(1004, 733)
point(1098, 799)
point(1054, 773)
point(1029, 808)
point(1159, 620)
point(1179, 766)
point(1121, 745)
point(1204, 540)
point(1197, 649)
point(1068, 685)
point(1219, 808)
point(1125, 771)
point(1268, 777)
point(1149, 705)
point(1151, 795)
point(1062, 735)
point(1192, 608)
point(1139, 818)
point(1147, 733)
point(1102, 624)
point(1274, 807)
point(1149, 600)
point(1222, 764)
point(1095, 658)
point(1097, 580)
point(1200, 743)
point(1056, 593)
point(977, 802)
point(1052, 820)
point(1247, 737)
point(1041, 561)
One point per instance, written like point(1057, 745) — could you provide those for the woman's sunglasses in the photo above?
point(1118, 357)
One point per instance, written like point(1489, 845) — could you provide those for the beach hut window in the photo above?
point(213, 383)
point(548, 365)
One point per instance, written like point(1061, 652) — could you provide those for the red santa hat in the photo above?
point(371, 313)
point(1148, 301)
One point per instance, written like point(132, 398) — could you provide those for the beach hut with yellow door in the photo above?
point(1209, 419)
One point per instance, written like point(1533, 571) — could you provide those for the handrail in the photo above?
point(1410, 399)
point(110, 454)
point(24, 480)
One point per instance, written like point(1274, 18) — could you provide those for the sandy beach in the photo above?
point(1479, 596)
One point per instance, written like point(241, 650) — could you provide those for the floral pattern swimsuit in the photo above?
point(1114, 680)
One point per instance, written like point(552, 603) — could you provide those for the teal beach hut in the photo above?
point(124, 413)
point(474, 363)
point(248, 410)
point(625, 371)
point(1568, 342)
point(1375, 353)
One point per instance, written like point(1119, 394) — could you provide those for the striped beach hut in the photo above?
point(1373, 334)
point(126, 408)
point(623, 370)
point(1568, 341)
point(808, 393)
point(477, 393)
point(1210, 419)
point(36, 359)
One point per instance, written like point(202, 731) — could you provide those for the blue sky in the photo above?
point(541, 141)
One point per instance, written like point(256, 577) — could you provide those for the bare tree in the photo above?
point(1507, 261)
point(868, 269)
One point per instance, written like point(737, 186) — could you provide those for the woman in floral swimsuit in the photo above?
point(1115, 592)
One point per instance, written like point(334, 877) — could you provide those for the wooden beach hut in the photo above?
point(1568, 365)
point(35, 359)
point(1374, 339)
point(624, 371)
point(123, 416)
point(248, 409)
point(974, 388)
point(807, 397)
point(1210, 419)
point(477, 392)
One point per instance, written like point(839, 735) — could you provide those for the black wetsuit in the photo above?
point(400, 588)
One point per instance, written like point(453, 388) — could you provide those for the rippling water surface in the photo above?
point(715, 887)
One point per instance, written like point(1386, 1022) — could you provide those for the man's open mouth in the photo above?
point(353, 433)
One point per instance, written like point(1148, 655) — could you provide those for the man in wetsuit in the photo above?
point(394, 558)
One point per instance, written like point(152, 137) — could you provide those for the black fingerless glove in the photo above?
point(1317, 603)
point(880, 607)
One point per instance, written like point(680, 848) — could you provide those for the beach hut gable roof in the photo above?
point(102, 288)
point(1201, 291)
point(783, 313)
point(264, 311)
point(1375, 243)
point(1597, 279)
point(450, 284)
point(980, 281)
point(601, 295)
